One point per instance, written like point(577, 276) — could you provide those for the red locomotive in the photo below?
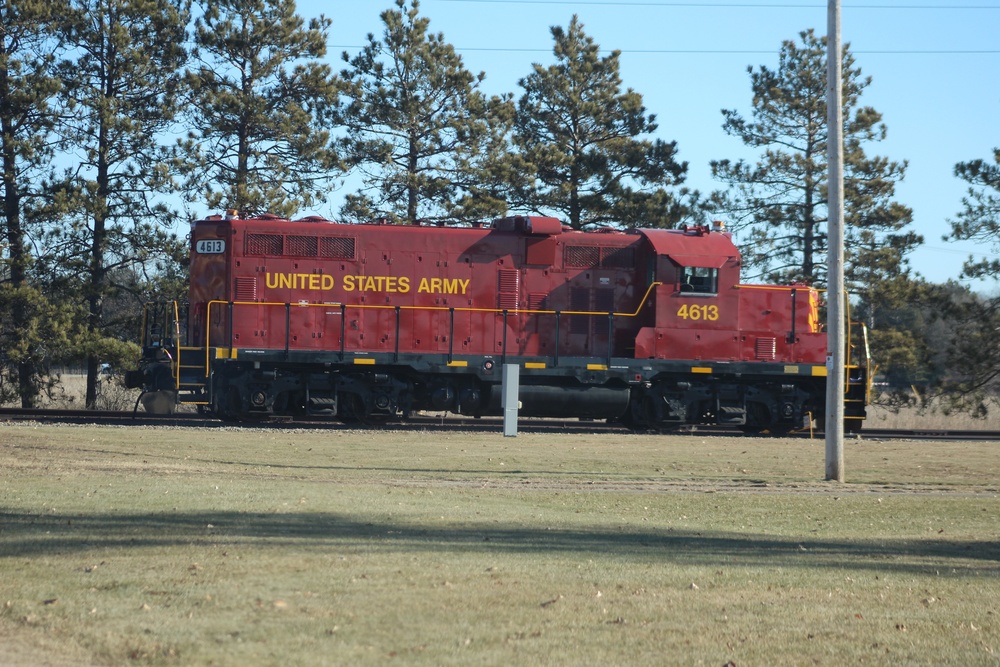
point(648, 327)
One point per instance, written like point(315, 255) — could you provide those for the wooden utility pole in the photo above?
point(835, 324)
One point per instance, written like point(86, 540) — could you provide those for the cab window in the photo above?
point(699, 280)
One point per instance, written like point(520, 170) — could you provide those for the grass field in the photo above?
point(130, 546)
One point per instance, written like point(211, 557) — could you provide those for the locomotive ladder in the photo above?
point(191, 376)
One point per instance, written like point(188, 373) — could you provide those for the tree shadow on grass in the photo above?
point(26, 535)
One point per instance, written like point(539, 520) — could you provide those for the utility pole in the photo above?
point(835, 323)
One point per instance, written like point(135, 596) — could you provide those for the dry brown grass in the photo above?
point(928, 416)
point(70, 393)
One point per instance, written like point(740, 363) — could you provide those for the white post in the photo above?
point(835, 327)
point(509, 400)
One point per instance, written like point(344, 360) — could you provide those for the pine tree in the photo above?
point(979, 219)
point(582, 134)
point(424, 138)
point(27, 87)
point(970, 379)
point(259, 111)
point(778, 204)
point(973, 356)
point(120, 82)
point(489, 179)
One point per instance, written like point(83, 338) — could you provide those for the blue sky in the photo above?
point(935, 68)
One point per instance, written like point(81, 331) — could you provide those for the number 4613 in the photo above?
point(698, 312)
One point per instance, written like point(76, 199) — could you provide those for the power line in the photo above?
point(960, 251)
point(740, 52)
point(713, 5)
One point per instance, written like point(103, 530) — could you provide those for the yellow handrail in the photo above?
point(177, 345)
point(360, 306)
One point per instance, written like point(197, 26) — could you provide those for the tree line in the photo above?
point(112, 110)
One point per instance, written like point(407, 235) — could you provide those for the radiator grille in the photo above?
point(337, 247)
point(329, 247)
point(592, 256)
point(582, 256)
point(508, 288)
point(264, 244)
point(536, 300)
point(765, 349)
point(301, 246)
point(618, 258)
point(246, 289)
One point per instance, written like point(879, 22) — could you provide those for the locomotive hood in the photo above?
point(693, 246)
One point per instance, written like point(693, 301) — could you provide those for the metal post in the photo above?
point(503, 352)
point(555, 361)
point(288, 328)
point(343, 329)
point(451, 334)
point(509, 398)
point(395, 356)
point(611, 337)
point(835, 253)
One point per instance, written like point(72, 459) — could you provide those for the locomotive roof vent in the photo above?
point(718, 226)
point(536, 225)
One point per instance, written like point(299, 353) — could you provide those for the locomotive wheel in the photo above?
point(654, 413)
point(228, 405)
point(351, 408)
point(161, 402)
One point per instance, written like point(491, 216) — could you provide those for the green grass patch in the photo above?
point(277, 547)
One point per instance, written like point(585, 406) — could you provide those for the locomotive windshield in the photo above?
point(699, 280)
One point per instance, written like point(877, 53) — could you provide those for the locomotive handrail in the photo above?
point(775, 287)
point(177, 344)
point(866, 359)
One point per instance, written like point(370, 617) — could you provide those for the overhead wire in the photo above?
point(907, 52)
point(727, 5)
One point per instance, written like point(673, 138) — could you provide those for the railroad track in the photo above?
point(928, 434)
point(196, 420)
point(443, 423)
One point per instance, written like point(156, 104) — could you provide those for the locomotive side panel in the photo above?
point(583, 303)
point(781, 324)
point(284, 280)
point(212, 250)
point(374, 291)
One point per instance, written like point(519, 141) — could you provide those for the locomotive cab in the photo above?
point(731, 354)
